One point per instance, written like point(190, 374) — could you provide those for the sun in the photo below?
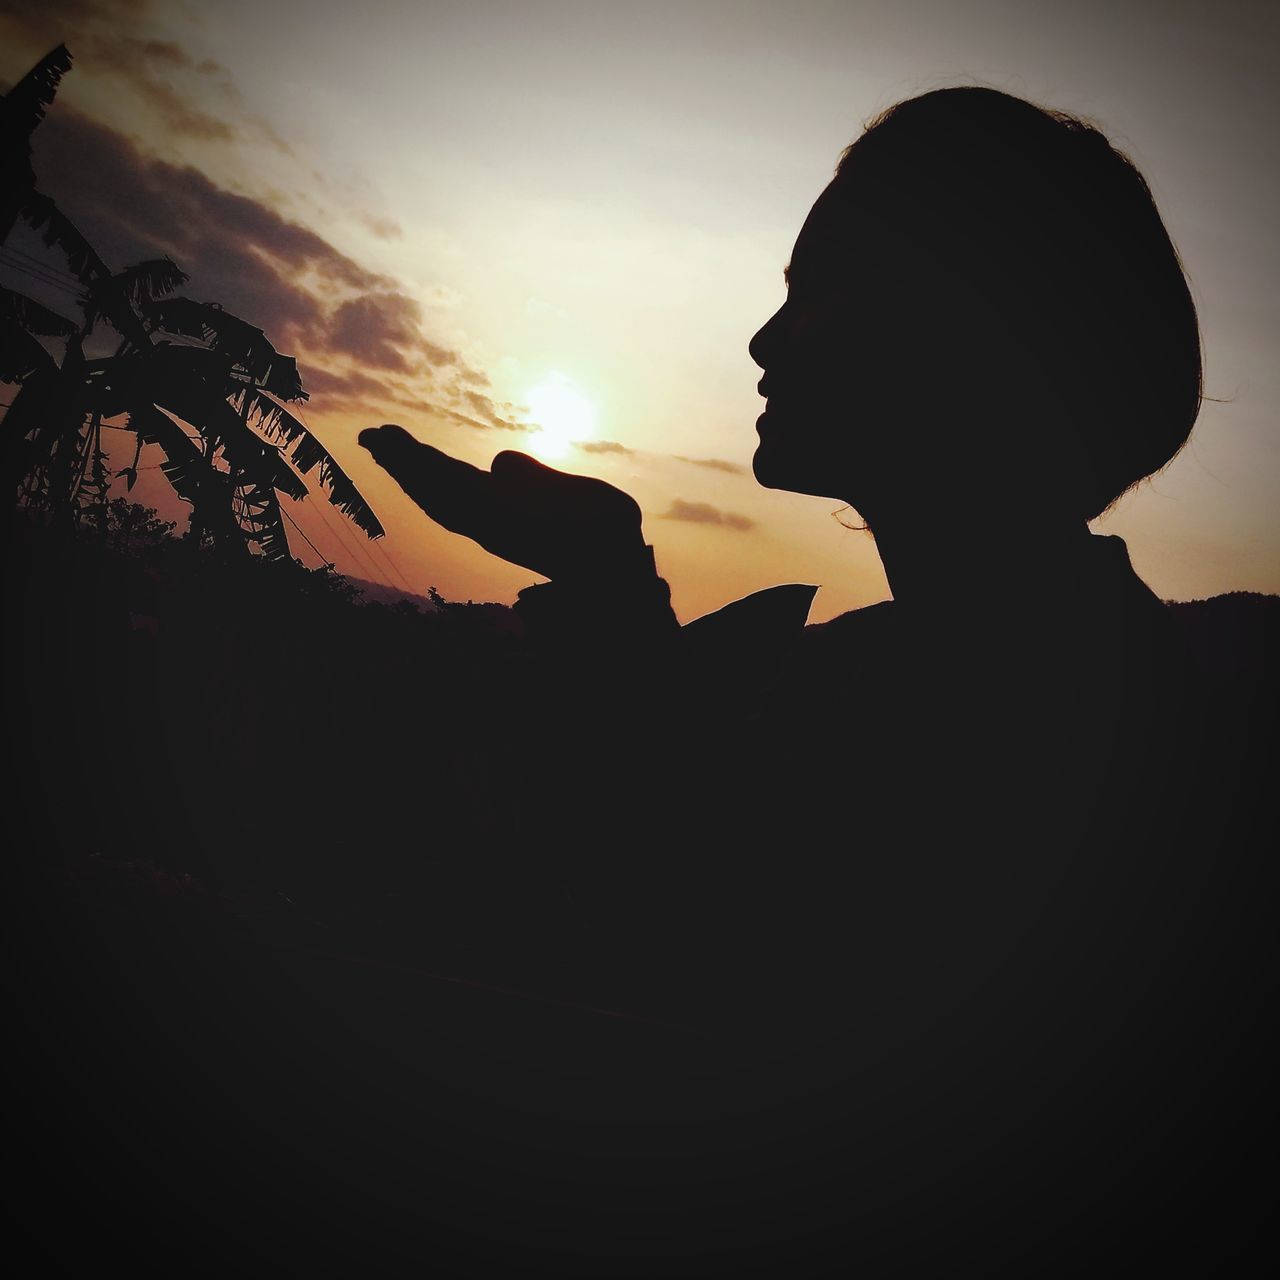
point(562, 413)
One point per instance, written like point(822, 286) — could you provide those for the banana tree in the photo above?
point(204, 385)
point(231, 389)
point(21, 110)
point(52, 445)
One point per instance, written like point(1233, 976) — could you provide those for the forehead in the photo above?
point(830, 236)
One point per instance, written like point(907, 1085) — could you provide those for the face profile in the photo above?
point(806, 350)
point(984, 311)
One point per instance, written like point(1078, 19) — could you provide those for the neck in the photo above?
point(948, 566)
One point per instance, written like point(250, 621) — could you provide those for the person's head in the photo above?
point(983, 307)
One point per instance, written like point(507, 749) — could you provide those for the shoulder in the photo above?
point(783, 612)
point(871, 625)
point(770, 617)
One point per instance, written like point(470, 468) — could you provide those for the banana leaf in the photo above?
point(184, 465)
point(34, 316)
point(23, 107)
point(307, 452)
point(136, 286)
point(246, 344)
point(21, 356)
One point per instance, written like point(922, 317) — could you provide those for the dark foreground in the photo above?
point(291, 994)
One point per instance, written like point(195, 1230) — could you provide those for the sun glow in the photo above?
point(562, 413)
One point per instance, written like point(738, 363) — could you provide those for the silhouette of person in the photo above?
point(937, 856)
point(987, 338)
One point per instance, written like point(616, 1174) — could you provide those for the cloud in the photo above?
point(485, 415)
point(359, 336)
point(714, 464)
point(438, 356)
point(466, 420)
point(602, 446)
point(375, 327)
point(237, 250)
point(382, 227)
point(178, 113)
point(488, 411)
point(135, 57)
point(705, 513)
point(350, 387)
point(64, 19)
point(253, 260)
point(97, 33)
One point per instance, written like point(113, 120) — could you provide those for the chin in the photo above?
point(774, 468)
point(770, 464)
point(791, 456)
point(770, 470)
point(762, 466)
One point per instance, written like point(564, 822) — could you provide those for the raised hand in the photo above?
point(562, 526)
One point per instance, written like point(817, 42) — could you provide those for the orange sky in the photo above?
point(467, 217)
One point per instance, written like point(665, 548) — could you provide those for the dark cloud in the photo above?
point(177, 112)
point(441, 357)
point(122, 52)
point(375, 328)
point(96, 31)
point(489, 412)
point(61, 21)
point(136, 206)
point(705, 513)
point(359, 335)
point(126, 52)
point(238, 251)
point(454, 415)
point(333, 388)
point(485, 418)
point(714, 464)
point(602, 446)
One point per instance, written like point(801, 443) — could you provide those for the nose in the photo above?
point(764, 345)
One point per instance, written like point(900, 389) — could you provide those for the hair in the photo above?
point(1027, 253)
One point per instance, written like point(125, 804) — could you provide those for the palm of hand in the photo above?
point(557, 524)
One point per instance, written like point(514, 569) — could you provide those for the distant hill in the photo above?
point(381, 593)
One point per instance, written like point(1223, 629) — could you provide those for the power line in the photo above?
point(323, 558)
point(339, 533)
point(378, 571)
point(45, 277)
point(20, 259)
point(395, 568)
point(377, 551)
point(40, 262)
point(378, 548)
point(48, 283)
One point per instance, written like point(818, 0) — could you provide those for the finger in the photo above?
point(450, 491)
point(524, 480)
point(389, 443)
point(524, 484)
point(519, 470)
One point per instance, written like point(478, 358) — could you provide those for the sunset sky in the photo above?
point(480, 217)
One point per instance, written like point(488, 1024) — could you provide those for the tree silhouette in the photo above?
point(205, 386)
